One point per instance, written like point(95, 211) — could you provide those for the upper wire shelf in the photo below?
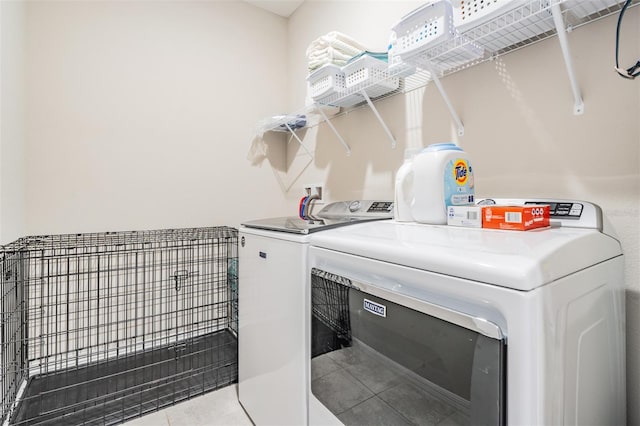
point(529, 22)
point(522, 26)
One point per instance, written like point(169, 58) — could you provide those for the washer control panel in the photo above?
point(357, 208)
point(380, 207)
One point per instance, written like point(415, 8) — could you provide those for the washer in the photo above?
point(427, 324)
point(272, 279)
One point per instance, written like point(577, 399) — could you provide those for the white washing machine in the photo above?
point(426, 324)
point(273, 275)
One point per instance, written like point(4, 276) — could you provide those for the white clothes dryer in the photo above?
point(428, 324)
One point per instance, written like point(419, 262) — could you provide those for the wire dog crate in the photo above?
point(330, 319)
point(100, 328)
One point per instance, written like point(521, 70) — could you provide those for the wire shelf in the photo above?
point(524, 25)
point(530, 22)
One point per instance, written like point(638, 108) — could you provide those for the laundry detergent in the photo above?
point(442, 177)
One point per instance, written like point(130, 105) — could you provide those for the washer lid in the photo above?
point(522, 260)
point(336, 214)
point(295, 225)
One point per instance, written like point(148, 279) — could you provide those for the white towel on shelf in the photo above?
point(330, 52)
point(328, 55)
point(332, 48)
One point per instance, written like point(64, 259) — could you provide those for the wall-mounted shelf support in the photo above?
point(578, 104)
point(379, 117)
point(446, 99)
point(324, 117)
point(293, 134)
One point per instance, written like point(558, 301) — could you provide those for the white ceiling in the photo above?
point(280, 7)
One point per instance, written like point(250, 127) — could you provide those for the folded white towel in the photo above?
point(332, 48)
point(314, 65)
point(337, 41)
point(330, 53)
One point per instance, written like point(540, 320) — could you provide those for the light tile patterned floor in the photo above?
point(219, 408)
point(365, 388)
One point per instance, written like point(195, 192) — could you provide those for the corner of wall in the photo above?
point(12, 162)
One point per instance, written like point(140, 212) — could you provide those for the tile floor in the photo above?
point(218, 408)
point(364, 388)
point(355, 385)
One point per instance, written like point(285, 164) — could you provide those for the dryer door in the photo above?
point(377, 358)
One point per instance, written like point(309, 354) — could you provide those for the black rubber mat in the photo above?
point(113, 391)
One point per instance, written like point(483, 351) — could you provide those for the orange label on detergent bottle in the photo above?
point(461, 171)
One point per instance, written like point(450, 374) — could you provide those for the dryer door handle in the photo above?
point(473, 323)
point(470, 322)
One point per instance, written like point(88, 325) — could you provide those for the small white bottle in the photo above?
point(404, 188)
point(442, 177)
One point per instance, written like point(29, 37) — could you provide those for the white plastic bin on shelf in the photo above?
point(468, 14)
point(371, 75)
point(396, 66)
point(499, 24)
point(399, 68)
point(426, 26)
point(428, 35)
point(326, 80)
point(327, 86)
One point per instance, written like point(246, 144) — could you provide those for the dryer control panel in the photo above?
point(568, 210)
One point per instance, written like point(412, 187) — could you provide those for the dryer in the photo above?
point(427, 324)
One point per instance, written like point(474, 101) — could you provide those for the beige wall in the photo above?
point(519, 129)
point(140, 112)
point(141, 115)
point(12, 120)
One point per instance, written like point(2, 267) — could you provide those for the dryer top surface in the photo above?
point(521, 260)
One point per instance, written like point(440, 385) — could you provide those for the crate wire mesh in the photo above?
point(330, 302)
point(99, 328)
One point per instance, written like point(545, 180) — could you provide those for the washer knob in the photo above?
point(354, 206)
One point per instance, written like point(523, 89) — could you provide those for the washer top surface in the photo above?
point(521, 260)
point(331, 216)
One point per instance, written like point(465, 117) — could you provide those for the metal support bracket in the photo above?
point(446, 99)
point(293, 134)
point(379, 117)
point(324, 116)
point(578, 103)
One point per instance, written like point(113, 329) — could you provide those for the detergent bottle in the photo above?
point(404, 188)
point(442, 177)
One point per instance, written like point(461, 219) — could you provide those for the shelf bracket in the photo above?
point(298, 139)
point(446, 99)
point(324, 116)
point(379, 117)
point(578, 104)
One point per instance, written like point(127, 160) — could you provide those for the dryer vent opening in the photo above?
point(100, 328)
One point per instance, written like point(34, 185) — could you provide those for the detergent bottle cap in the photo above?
point(446, 146)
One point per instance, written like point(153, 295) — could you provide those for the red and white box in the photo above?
point(519, 218)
